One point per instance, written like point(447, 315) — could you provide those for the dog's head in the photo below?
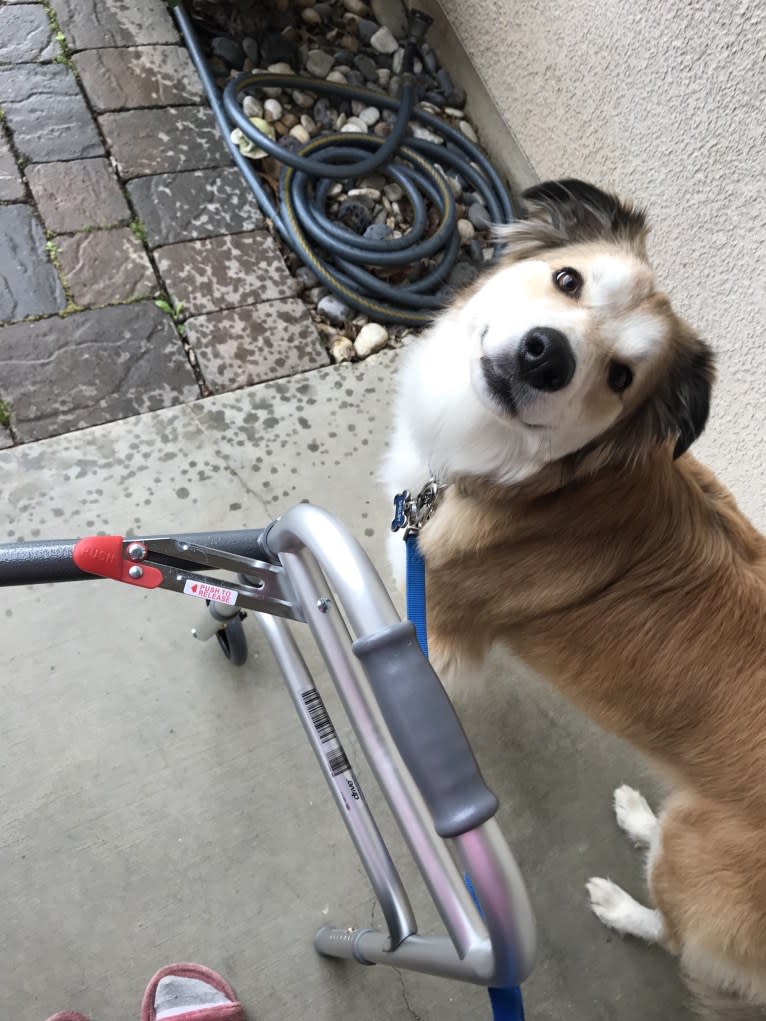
point(571, 347)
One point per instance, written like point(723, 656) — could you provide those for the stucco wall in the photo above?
point(665, 102)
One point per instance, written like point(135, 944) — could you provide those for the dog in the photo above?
point(553, 404)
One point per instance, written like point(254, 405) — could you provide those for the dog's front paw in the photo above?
point(634, 816)
point(608, 901)
point(619, 911)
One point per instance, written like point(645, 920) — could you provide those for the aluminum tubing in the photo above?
point(431, 853)
point(360, 823)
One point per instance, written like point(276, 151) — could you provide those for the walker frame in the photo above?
point(306, 567)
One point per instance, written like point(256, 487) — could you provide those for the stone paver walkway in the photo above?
point(116, 193)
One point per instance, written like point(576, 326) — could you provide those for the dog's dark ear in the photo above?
point(688, 403)
point(579, 211)
point(676, 410)
point(679, 408)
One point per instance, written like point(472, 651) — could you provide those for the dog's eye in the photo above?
point(620, 377)
point(568, 281)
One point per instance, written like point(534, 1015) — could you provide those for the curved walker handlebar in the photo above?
point(405, 725)
point(420, 757)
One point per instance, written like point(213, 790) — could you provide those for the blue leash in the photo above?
point(507, 1004)
point(416, 591)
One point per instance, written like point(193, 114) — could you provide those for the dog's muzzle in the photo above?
point(546, 361)
point(543, 362)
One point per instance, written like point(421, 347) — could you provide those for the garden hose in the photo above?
point(338, 257)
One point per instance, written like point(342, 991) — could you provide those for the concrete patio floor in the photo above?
point(160, 805)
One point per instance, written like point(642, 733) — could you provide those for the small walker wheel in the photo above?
point(233, 642)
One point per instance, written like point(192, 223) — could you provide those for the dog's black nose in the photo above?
point(546, 360)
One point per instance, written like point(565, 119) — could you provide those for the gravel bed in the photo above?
point(353, 42)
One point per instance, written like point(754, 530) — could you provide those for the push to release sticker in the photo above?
point(211, 592)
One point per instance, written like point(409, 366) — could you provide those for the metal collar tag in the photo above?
point(411, 513)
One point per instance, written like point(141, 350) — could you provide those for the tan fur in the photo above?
point(623, 572)
point(711, 1005)
point(641, 593)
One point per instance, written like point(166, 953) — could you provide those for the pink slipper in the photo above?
point(67, 1015)
point(188, 992)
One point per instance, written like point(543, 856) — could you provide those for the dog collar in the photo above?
point(412, 512)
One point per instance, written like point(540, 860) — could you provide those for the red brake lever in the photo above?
point(102, 555)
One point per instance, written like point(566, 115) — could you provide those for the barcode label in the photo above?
point(322, 724)
point(338, 762)
point(333, 750)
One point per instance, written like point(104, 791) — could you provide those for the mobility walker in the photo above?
point(305, 567)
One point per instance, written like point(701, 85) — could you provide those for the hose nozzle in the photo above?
point(418, 24)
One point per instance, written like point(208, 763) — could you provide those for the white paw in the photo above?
point(618, 910)
point(634, 815)
point(607, 901)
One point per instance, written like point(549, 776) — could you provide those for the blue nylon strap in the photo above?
point(506, 1003)
point(416, 591)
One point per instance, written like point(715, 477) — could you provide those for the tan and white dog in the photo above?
point(555, 400)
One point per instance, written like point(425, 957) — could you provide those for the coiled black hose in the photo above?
point(339, 257)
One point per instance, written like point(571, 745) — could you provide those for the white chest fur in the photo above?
point(442, 429)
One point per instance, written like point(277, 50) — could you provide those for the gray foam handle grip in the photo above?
point(426, 729)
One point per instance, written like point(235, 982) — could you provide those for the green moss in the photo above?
point(53, 252)
point(139, 230)
point(92, 230)
point(5, 413)
point(174, 311)
point(64, 56)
